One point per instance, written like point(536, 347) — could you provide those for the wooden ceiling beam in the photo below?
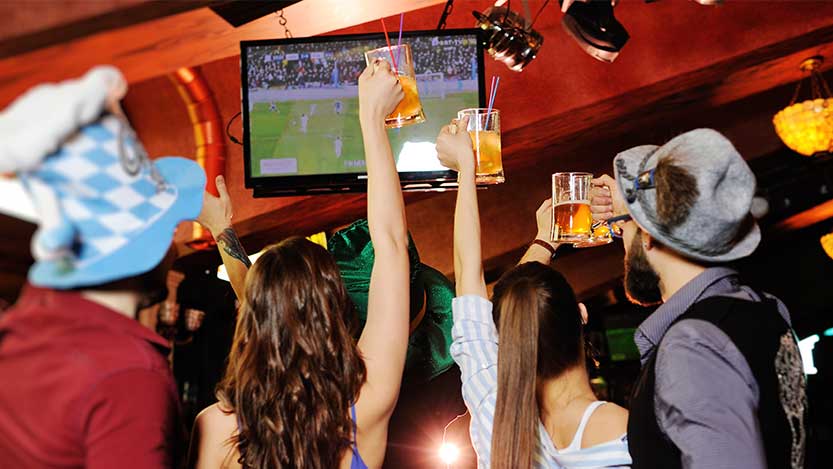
point(158, 47)
point(108, 18)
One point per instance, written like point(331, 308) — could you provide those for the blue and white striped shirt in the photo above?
point(475, 350)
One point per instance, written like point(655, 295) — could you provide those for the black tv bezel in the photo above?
point(273, 186)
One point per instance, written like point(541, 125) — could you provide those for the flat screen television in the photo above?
point(300, 118)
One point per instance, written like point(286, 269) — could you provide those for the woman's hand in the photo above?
point(216, 212)
point(379, 91)
point(216, 216)
point(454, 147)
point(536, 253)
point(543, 217)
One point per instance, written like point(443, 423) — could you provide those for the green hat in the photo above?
point(431, 295)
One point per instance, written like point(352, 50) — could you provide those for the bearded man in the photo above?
point(722, 383)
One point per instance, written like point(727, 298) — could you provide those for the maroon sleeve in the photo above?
point(132, 420)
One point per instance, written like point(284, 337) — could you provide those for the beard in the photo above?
point(641, 280)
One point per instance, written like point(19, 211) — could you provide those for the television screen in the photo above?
point(300, 109)
point(620, 344)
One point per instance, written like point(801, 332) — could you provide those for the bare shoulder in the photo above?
point(215, 417)
point(212, 445)
point(609, 422)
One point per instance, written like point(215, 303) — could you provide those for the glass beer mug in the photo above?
point(572, 219)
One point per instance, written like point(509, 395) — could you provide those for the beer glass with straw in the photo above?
point(409, 110)
point(484, 130)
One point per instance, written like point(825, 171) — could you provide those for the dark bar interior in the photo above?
point(275, 98)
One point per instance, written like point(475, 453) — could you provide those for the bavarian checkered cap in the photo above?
point(106, 211)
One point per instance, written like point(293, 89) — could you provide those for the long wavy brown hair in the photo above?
point(294, 368)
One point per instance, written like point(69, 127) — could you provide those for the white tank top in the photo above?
point(575, 445)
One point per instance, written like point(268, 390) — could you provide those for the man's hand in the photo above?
point(216, 212)
point(379, 91)
point(605, 199)
point(454, 147)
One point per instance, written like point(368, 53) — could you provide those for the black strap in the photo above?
point(449, 7)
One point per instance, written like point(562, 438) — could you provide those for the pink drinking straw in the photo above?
point(495, 83)
point(390, 51)
point(399, 41)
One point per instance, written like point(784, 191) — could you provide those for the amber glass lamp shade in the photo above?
point(827, 244)
point(806, 127)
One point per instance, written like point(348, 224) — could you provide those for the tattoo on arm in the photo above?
point(230, 243)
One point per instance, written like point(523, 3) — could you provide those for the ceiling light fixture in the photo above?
point(595, 29)
point(807, 127)
point(827, 244)
point(509, 36)
point(511, 39)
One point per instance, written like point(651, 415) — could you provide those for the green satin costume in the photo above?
point(431, 295)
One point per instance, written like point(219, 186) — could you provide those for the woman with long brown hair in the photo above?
point(530, 397)
point(298, 391)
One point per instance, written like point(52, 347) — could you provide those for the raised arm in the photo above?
point(384, 341)
point(455, 152)
point(216, 217)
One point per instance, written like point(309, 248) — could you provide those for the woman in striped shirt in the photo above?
point(530, 399)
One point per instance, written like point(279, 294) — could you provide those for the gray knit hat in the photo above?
point(719, 227)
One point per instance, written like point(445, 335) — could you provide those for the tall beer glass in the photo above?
point(484, 130)
point(409, 110)
point(572, 219)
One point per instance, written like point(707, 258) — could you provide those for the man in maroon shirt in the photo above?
point(82, 383)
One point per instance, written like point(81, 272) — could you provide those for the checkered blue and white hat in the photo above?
point(106, 211)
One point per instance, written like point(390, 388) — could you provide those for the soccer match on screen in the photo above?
point(303, 104)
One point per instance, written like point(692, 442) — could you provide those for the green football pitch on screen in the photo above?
point(324, 137)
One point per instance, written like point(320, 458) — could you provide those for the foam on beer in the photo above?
point(569, 202)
